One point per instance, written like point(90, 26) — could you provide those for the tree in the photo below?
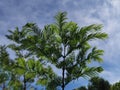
point(81, 88)
point(64, 45)
point(26, 66)
point(5, 67)
point(115, 86)
point(97, 83)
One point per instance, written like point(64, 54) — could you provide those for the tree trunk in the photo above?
point(63, 71)
point(63, 78)
point(24, 86)
point(3, 88)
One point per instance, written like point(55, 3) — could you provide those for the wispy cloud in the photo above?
point(107, 12)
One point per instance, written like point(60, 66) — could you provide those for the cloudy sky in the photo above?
point(84, 12)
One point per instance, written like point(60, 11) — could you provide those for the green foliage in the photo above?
point(81, 88)
point(4, 57)
point(62, 44)
point(15, 83)
point(97, 83)
point(115, 86)
point(54, 83)
point(26, 68)
point(5, 68)
point(3, 77)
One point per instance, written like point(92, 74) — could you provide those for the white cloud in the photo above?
point(108, 15)
point(112, 76)
point(116, 5)
point(42, 12)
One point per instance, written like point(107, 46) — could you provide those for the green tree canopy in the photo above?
point(81, 88)
point(27, 68)
point(63, 44)
point(116, 86)
point(97, 83)
point(5, 67)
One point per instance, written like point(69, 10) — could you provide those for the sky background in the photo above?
point(15, 13)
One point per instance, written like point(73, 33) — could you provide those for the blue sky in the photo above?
point(84, 12)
